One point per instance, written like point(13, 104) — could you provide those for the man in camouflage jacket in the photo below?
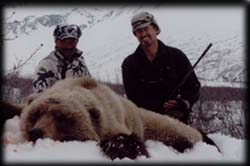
point(65, 61)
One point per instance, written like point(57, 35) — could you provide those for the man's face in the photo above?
point(146, 35)
point(67, 46)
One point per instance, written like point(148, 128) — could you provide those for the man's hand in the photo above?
point(170, 104)
point(178, 104)
point(177, 109)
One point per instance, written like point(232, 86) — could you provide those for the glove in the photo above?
point(177, 109)
point(182, 104)
point(178, 104)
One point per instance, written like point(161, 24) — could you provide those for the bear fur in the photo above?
point(82, 109)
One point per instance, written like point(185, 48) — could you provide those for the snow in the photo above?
point(106, 43)
point(17, 150)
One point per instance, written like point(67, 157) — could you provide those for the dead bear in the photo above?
point(82, 109)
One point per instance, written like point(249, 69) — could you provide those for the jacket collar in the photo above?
point(62, 58)
point(161, 50)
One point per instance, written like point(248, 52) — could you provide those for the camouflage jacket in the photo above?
point(55, 67)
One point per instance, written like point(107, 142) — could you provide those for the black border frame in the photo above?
point(218, 3)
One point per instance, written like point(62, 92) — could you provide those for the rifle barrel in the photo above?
point(192, 69)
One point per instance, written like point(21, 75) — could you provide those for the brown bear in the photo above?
point(82, 109)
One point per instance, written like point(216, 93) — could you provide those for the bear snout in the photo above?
point(35, 134)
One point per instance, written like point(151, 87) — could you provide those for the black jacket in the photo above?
point(149, 84)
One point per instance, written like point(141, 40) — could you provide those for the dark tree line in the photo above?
point(219, 109)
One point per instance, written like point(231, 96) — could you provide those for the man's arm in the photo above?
point(190, 90)
point(84, 66)
point(44, 77)
point(188, 93)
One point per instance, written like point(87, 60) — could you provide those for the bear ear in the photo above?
point(88, 83)
point(30, 98)
point(10, 110)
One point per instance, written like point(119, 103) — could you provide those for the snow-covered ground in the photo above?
point(16, 150)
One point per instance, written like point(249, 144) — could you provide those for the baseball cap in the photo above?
point(67, 31)
point(143, 19)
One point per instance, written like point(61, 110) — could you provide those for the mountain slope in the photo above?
point(107, 38)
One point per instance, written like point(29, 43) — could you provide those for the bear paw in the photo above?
point(122, 145)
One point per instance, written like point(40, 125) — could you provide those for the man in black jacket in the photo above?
point(152, 72)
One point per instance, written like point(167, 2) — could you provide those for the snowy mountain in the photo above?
point(107, 38)
point(87, 18)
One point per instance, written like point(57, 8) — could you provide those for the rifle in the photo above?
point(189, 73)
